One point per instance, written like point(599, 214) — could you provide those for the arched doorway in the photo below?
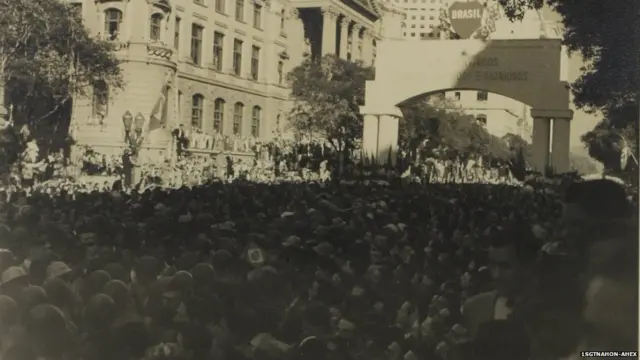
point(530, 71)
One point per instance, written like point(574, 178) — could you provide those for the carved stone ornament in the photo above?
point(159, 51)
point(329, 12)
point(284, 55)
point(162, 4)
point(295, 14)
point(345, 22)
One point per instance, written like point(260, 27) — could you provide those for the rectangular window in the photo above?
point(280, 72)
point(237, 57)
point(482, 96)
point(218, 47)
point(196, 43)
point(239, 10)
point(176, 35)
point(457, 95)
point(220, 6)
point(257, 16)
point(255, 62)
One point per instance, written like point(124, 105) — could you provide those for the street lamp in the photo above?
point(127, 121)
point(139, 124)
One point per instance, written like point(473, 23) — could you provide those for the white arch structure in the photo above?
point(530, 71)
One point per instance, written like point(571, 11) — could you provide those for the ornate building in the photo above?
point(216, 65)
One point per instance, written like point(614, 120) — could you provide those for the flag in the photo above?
point(158, 113)
point(624, 154)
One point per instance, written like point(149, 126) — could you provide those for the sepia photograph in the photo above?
point(319, 179)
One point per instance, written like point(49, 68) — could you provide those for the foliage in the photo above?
point(47, 56)
point(327, 95)
point(583, 165)
point(438, 126)
point(606, 141)
point(515, 143)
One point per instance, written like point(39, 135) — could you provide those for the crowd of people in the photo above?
point(246, 270)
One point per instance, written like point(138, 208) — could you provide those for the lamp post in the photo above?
point(138, 123)
point(127, 121)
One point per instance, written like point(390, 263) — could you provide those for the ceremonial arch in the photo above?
point(530, 71)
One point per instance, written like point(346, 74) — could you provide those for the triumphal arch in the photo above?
point(532, 71)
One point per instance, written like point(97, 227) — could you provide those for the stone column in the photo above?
point(344, 36)
point(355, 40)
point(541, 141)
point(367, 48)
point(380, 138)
point(370, 131)
point(329, 25)
point(560, 145)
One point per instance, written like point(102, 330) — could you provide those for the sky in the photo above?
point(582, 122)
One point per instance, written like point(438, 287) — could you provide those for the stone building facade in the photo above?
point(216, 66)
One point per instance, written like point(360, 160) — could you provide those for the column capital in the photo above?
point(294, 13)
point(566, 114)
point(357, 27)
point(329, 12)
point(345, 21)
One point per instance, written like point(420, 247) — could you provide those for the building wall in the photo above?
point(148, 64)
point(499, 114)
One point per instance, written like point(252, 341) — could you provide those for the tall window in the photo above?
point(218, 47)
point(255, 62)
point(176, 34)
point(218, 115)
point(239, 10)
point(255, 121)
point(100, 99)
point(220, 6)
point(482, 96)
point(482, 119)
point(257, 16)
point(457, 95)
point(280, 72)
point(197, 109)
point(238, 109)
point(112, 21)
point(237, 57)
point(196, 43)
point(282, 19)
point(155, 30)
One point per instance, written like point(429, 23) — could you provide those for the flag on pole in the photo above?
point(624, 153)
point(158, 113)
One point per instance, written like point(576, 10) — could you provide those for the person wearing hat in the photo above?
point(14, 280)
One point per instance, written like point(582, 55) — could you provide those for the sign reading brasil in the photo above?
point(466, 17)
point(485, 69)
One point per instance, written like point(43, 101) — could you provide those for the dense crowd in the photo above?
point(288, 271)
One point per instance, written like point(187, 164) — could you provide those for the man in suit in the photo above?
point(511, 258)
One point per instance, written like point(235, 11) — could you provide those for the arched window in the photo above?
point(238, 109)
point(255, 121)
point(482, 119)
point(155, 31)
point(218, 115)
point(112, 21)
point(100, 99)
point(197, 110)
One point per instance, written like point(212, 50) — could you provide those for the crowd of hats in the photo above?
point(251, 271)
